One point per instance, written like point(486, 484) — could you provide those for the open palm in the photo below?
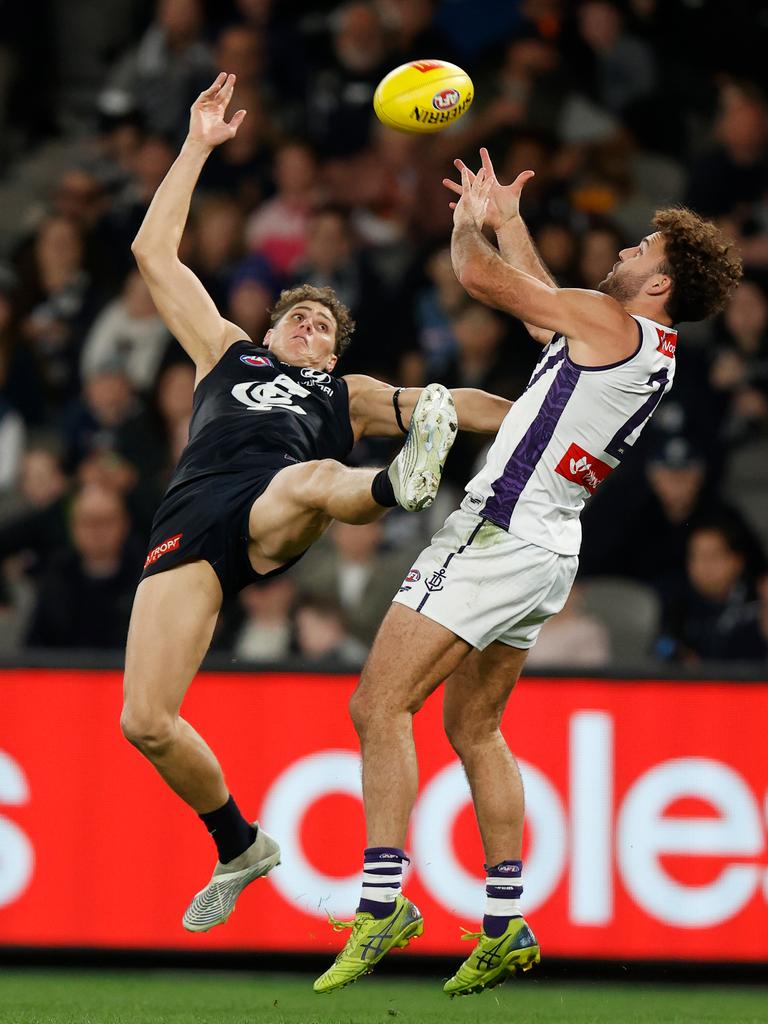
point(206, 119)
point(503, 200)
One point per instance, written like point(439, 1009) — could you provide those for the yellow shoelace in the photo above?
point(468, 935)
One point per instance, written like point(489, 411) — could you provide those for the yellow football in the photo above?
point(423, 96)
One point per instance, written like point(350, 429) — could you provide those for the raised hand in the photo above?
point(503, 200)
point(472, 208)
point(206, 118)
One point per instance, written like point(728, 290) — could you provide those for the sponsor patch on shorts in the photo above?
point(171, 544)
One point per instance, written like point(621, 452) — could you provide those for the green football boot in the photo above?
point(493, 960)
point(371, 938)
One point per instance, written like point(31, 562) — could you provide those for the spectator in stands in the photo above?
point(704, 618)
point(436, 307)
point(572, 639)
point(333, 258)
point(266, 631)
point(739, 371)
point(128, 332)
point(86, 594)
point(243, 168)
point(353, 571)
point(172, 405)
point(599, 246)
point(12, 434)
point(165, 72)
point(558, 248)
point(623, 67)
point(33, 521)
point(339, 92)
point(58, 303)
point(735, 172)
point(278, 229)
point(217, 234)
point(108, 418)
point(321, 635)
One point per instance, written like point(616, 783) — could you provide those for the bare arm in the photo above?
point(372, 410)
point(515, 243)
point(598, 328)
point(185, 306)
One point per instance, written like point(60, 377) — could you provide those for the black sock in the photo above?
point(229, 830)
point(382, 490)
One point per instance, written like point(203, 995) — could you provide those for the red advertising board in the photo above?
point(645, 835)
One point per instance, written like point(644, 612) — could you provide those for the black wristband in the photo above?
point(396, 404)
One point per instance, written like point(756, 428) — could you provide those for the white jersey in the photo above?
point(571, 426)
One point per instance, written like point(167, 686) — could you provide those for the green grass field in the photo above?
point(132, 997)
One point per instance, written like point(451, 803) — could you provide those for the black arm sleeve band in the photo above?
point(396, 404)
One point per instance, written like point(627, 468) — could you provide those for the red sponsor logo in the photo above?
point(162, 549)
point(667, 342)
point(445, 100)
point(426, 65)
point(582, 468)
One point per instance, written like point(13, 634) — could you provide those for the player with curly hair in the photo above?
point(505, 561)
point(259, 481)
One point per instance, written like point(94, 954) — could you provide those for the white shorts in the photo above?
point(485, 584)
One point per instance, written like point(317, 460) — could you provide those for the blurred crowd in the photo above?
point(619, 107)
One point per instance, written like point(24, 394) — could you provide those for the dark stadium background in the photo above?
point(620, 107)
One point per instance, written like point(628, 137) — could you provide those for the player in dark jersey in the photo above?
point(258, 483)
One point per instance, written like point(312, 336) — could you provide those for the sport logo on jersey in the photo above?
point(256, 360)
point(578, 466)
point(667, 342)
point(319, 376)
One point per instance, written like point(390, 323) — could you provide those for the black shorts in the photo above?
point(207, 519)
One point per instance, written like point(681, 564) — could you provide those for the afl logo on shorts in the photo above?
point(318, 376)
point(445, 100)
point(256, 360)
point(413, 576)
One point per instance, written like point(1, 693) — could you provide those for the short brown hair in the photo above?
point(704, 268)
point(327, 297)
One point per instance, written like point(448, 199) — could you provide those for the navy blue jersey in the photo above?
point(250, 404)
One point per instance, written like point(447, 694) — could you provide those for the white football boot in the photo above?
point(213, 904)
point(415, 473)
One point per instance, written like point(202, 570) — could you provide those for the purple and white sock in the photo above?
point(382, 879)
point(503, 889)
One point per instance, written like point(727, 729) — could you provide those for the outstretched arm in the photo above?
point(503, 215)
point(185, 306)
point(372, 410)
point(598, 328)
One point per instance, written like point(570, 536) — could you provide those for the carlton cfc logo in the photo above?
point(446, 100)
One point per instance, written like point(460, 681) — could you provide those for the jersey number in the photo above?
point(619, 443)
point(275, 394)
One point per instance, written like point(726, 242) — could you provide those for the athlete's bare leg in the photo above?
point(299, 505)
point(174, 614)
point(476, 694)
point(410, 657)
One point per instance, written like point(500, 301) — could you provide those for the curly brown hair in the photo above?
point(327, 297)
point(704, 268)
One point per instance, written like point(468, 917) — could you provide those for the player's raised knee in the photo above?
point(149, 730)
point(322, 477)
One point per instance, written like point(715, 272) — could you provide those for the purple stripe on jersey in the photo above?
point(522, 463)
point(552, 361)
